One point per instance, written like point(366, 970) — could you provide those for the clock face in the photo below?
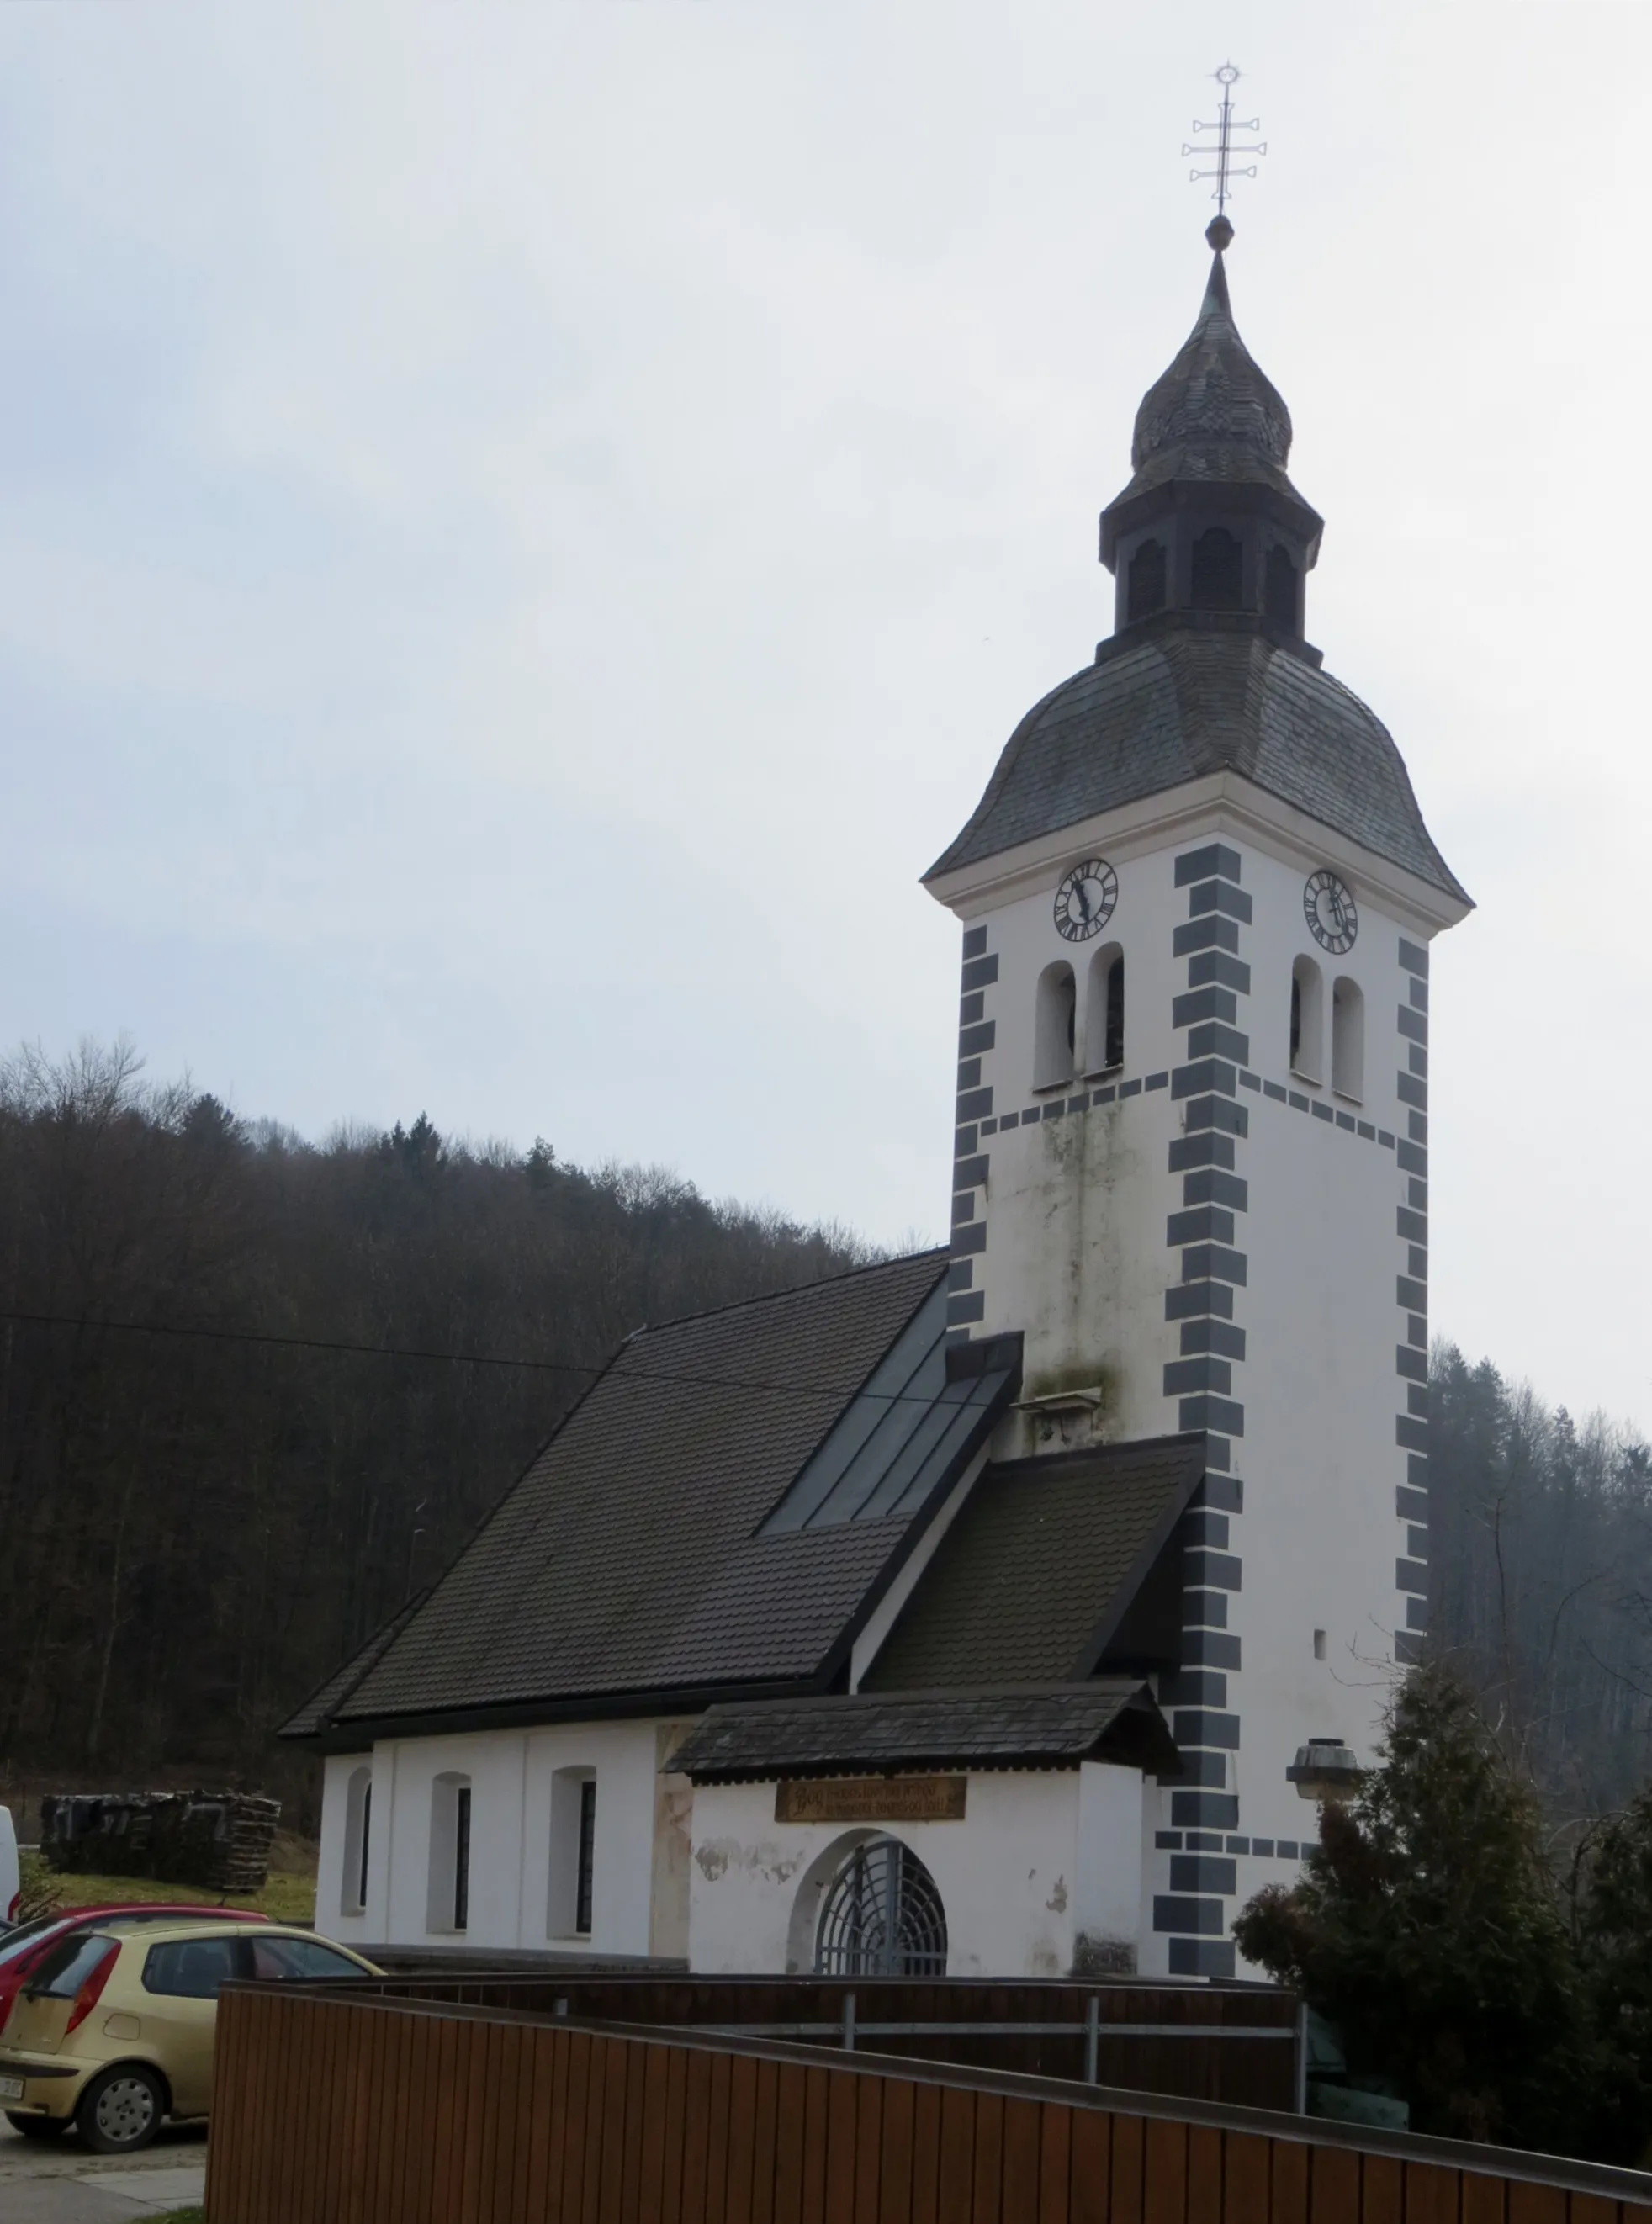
point(1085, 900)
point(1333, 916)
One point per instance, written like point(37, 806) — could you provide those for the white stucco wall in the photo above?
point(1036, 1857)
point(635, 1907)
point(1076, 1253)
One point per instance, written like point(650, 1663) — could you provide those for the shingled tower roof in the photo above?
point(1208, 669)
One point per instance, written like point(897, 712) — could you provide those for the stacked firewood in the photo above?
point(220, 1841)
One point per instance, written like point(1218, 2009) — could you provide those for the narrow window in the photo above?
point(1103, 1011)
point(1279, 590)
point(1217, 571)
point(447, 1899)
point(1307, 1022)
point(572, 1866)
point(358, 1806)
point(1054, 1028)
point(1319, 1645)
point(1348, 1039)
point(1146, 592)
point(462, 1859)
point(587, 1854)
point(366, 1845)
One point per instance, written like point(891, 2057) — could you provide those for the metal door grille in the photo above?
point(882, 1916)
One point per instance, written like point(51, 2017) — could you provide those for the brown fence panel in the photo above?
point(1249, 2072)
point(338, 2107)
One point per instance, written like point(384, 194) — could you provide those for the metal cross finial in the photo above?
point(1224, 149)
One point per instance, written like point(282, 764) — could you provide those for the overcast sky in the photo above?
point(524, 528)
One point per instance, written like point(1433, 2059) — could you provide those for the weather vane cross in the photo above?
point(1225, 148)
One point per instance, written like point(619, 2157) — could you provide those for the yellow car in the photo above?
point(113, 2032)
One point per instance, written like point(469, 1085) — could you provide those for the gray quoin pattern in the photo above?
point(1411, 1357)
point(1214, 1197)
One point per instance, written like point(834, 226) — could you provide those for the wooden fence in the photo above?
point(1235, 2042)
point(336, 2109)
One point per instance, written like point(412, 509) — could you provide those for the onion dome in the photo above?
point(1213, 414)
point(1207, 673)
point(1212, 440)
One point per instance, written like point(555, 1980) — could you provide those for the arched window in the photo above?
point(1103, 1011)
point(1218, 571)
point(1146, 591)
point(449, 1899)
point(1347, 1038)
point(882, 1916)
point(573, 1848)
point(1053, 1027)
point(358, 1819)
point(1307, 1020)
point(1279, 588)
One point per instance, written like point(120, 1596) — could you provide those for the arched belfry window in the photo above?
point(1054, 1027)
point(1307, 1020)
point(1219, 571)
point(1146, 591)
point(1103, 1011)
point(1347, 1038)
point(1279, 588)
point(882, 1916)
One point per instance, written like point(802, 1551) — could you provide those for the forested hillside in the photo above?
point(1541, 1571)
point(198, 1526)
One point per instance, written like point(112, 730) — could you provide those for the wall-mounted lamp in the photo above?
point(1325, 1768)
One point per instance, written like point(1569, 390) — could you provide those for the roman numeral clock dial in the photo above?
point(1333, 916)
point(1085, 900)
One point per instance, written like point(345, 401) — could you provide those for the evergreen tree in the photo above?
point(1426, 1927)
point(1614, 1948)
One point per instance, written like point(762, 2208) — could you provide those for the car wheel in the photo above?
point(38, 2127)
point(121, 2110)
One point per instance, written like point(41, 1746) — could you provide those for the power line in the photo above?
point(461, 1358)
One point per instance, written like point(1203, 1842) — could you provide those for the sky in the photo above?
point(524, 528)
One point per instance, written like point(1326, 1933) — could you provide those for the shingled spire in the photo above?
point(1210, 520)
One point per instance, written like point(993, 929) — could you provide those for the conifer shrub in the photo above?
point(1427, 1926)
point(1614, 1939)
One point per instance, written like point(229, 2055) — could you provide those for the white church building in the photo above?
point(967, 1612)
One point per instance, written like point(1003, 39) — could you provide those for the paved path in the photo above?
point(59, 2182)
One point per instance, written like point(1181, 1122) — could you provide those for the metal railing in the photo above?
point(848, 2030)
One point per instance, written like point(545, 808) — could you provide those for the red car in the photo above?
point(20, 1950)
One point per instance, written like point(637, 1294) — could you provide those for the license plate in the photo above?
point(11, 2088)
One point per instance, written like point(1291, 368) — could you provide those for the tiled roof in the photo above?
point(1196, 698)
point(1041, 1559)
point(1112, 1717)
point(626, 1560)
point(322, 1705)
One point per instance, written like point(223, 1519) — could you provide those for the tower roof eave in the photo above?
point(1192, 476)
point(1187, 702)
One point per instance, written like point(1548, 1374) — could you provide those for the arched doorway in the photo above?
point(882, 1916)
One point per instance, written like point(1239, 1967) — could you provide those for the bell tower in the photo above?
point(1191, 1158)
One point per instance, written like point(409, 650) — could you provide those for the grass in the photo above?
point(288, 1895)
point(180, 2216)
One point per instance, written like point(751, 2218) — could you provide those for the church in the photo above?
point(999, 1611)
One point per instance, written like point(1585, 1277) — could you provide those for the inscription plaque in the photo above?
point(872, 1799)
